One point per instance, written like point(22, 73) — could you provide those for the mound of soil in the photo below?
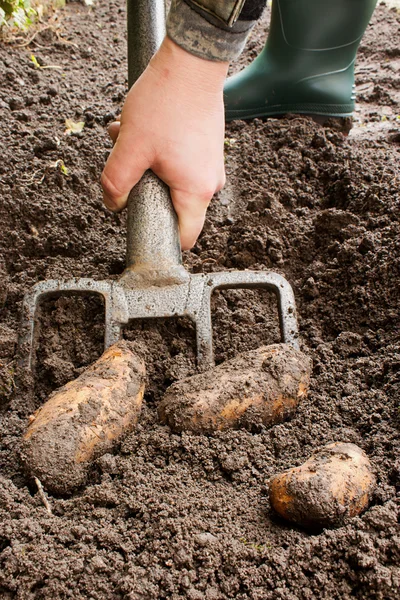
point(186, 516)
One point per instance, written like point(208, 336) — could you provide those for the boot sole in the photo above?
point(323, 110)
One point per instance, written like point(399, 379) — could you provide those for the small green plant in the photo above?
point(37, 64)
point(229, 142)
point(17, 13)
point(21, 14)
point(35, 61)
point(63, 168)
point(59, 164)
point(261, 548)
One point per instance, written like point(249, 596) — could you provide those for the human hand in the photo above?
point(173, 123)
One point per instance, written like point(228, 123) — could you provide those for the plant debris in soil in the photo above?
point(188, 516)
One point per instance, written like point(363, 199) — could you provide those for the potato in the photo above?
point(259, 387)
point(84, 419)
point(333, 485)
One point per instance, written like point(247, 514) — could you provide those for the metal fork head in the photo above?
point(191, 298)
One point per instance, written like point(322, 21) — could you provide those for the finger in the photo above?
point(113, 130)
point(124, 168)
point(191, 211)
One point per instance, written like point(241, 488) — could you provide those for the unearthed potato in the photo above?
point(334, 484)
point(83, 419)
point(263, 386)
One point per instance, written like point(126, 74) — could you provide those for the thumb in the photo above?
point(191, 211)
point(124, 168)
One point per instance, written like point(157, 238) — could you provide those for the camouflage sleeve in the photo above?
point(213, 29)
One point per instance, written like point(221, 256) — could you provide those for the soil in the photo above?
point(187, 516)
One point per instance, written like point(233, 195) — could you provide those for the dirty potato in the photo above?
point(84, 419)
point(334, 484)
point(262, 386)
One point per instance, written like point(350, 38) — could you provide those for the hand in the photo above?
point(173, 123)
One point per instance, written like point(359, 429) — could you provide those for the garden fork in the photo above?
point(155, 284)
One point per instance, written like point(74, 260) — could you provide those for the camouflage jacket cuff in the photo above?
point(205, 35)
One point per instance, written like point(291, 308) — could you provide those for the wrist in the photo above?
point(201, 75)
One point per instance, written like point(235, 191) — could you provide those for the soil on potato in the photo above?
point(186, 516)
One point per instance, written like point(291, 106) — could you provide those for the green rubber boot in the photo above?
point(307, 64)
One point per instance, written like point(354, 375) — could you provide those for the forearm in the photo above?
point(213, 29)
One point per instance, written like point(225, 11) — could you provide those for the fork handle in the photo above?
point(153, 244)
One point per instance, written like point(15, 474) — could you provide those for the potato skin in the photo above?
point(262, 386)
point(333, 485)
point(84, 419)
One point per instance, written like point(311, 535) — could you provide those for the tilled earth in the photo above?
point(186, 516)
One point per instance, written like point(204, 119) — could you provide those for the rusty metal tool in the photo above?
point(155, 284)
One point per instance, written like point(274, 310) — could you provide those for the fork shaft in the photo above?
point(153, 245)
point(146, 31)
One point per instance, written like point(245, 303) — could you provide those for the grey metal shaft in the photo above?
point(153, 244)
point(146, 31)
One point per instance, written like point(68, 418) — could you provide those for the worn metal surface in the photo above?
point(153, 246)
point(146, 31)
point(155, 284)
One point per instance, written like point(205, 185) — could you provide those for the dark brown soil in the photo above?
point(186, 516)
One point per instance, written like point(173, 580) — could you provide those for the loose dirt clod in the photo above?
point(3, 283)
point(259, 387)
point(84, 419)
point(8, 341)
point(333, 485)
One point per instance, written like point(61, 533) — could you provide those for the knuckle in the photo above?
point(207, 193)
point(109, 187)
point(221, 183)
point(206, 197)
